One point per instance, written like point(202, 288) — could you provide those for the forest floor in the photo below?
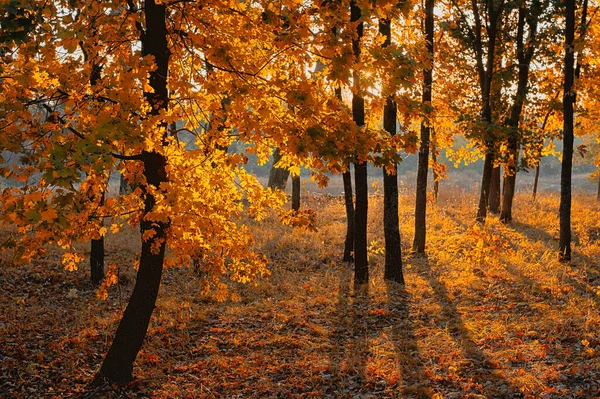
point(489, 313)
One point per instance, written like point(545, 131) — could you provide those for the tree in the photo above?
point(472, 31)
point(564, 250)
point(391, 228)
point(423, 168)
point(361, 266)
point(524, 55)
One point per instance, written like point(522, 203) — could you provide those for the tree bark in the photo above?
point(97, 256)
point(296, 193)
point(278, 177)
point(436, 178)
point(349, 202)
point(423, 168)
point(598, 193)
point(361, 266)
point(391, 227)
point(494, 199)
point(536, 180)
point(486, 179)
point(118, 363)
point(564, 252)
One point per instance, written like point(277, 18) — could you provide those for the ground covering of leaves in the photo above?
point(490, 313)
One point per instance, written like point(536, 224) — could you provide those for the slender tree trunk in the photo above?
point(486, 179)
point(97, 256)
point(567, 158)
point(423, 168)
point(436, 178)
point(391, 228)
point(296, 193)
point(598, 193)
point(495, 183)
point(118, 363)
point(96, 246)
point(278, 177)
point(536, 180)
point(349, 201)
point(361, 266)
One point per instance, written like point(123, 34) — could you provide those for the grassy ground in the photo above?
point(489, 313)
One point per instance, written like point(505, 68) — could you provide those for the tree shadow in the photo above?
point(590, 278)
point(375, 348)
point(485, 376)
point(347, 360)
point(412, 381)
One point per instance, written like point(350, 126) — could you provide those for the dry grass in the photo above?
point(489, 313)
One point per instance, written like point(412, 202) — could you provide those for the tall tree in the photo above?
point(564, 251)
point(361, 266)
point(569, 97)
point(118, 364)
point(423, 168)
point(524, 55)
point(391, 228)
point(96, 244)
point(494, 11)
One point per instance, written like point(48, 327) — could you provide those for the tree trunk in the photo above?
point(97, 256)
point(278, 177)
point(118, 363)
point(391, 228)
point(296, 193)
point(567, 157)
point(536, 180)
point(486, 179)
point(494, 200)
point(436, 178)
point(361, 266)
point(349, 243)
point(423, 168)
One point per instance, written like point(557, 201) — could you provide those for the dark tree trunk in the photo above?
point(423, 168)
point(296, 193)
point(564, 251)
point(361, 266)
point(536, 180)
point(391, 228)
point(278, 177)
point(486, 179)
point(598, 192)
point(524, 56)
point(349, 201)
point(436, 178)
point(118, 363)
point(96, 246)
point(97, 256)
point(494, 200)
point(97, 261)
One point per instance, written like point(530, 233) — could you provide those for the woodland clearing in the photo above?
point(489, 313)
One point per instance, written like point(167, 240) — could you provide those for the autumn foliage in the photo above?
point(181, 99)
